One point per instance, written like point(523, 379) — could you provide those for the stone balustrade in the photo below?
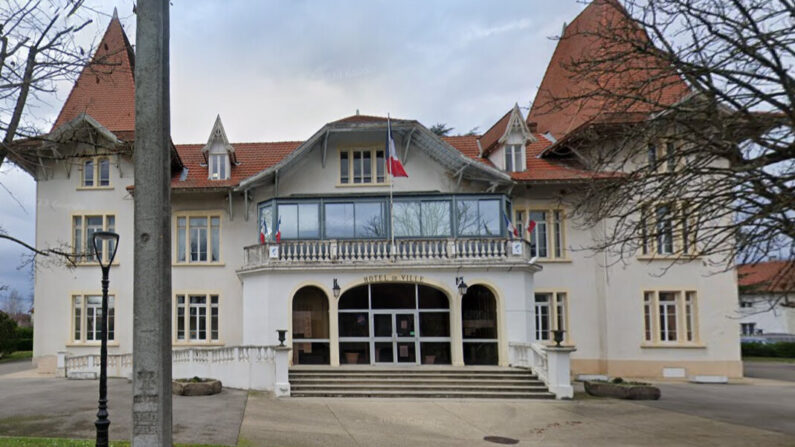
point(403, 251)
point(552, 365)
point(244, 367)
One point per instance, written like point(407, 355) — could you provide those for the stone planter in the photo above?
point(191, 387)
point(622, 390)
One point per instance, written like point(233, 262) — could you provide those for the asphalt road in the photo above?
point(50, 407)
point(765, 404)
point(770, 370)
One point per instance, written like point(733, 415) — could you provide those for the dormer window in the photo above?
point(514, 158)
point(219, 154)
point(218, 165)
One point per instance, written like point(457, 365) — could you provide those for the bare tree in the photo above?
point(685, 107)
point(37, 50)
point(14, 303)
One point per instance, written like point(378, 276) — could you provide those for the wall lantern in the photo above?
point(336, 289)
point(462, 286)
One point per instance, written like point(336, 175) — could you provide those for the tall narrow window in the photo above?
point(542, 315)
point(181, 234)
point(539, 238)
point(357, 167)
point(648, 299)
point(218, 167)
point(668, 318)
point(557, 231)
point(77, 306)
point(519, 223)
point(652, 155)
point(665, 230)
point(670, 156)
point(104, 172)
point(198, 239)
point(215, 238)
point(644, 232)
point(379, 166)
point(560, 311)
point(88, 173)
point(690, 302)
point(344, 168)
point(198, 317)
point(181, 317)
point(513, 158)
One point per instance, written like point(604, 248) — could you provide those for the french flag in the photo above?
point(512, 230)
point(393, 165)
point(531, 225)
point(279, 231)
point(263, 230)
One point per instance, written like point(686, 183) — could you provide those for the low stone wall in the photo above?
point(246, 367)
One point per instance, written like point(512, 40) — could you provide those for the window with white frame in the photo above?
point(362, 166)
point(96, 173)
point(87, 318)
point(196, 317)
point(83, 228)
point(198, 238)
point(548, 236)
point(514, 158)
point(669, 316)
point(748, 328)
point(668, 229)
point(219, 166)
point(551, 313)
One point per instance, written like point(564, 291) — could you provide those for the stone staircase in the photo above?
point(417, 382)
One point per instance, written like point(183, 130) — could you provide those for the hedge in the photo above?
point(782, 349)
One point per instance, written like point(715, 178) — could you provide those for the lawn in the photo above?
point(769, 359)
point(15, 356)
point(61, 442)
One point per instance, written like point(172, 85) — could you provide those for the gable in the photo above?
point(105, 89)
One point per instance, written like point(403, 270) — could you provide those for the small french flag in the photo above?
point(263, 230)
point(512, 230)
point(393, 165)
point(279, 231)
point(531, 225)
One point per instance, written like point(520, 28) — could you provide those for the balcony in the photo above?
point(404, 252)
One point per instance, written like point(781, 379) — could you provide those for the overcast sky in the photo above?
point(280, 70)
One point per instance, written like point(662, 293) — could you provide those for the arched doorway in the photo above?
point(310, 331)
point(479, 326)
point(394, 323)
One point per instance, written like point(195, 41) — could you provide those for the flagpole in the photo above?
point(391, 183)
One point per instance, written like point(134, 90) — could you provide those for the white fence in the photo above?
point(551, 364)
point(244, 367)
point(353, 251)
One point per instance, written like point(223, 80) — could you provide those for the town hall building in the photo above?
point(468, 262)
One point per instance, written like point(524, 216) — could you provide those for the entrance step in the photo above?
point(495, 383)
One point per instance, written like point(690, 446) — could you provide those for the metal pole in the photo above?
point(102, 423)
point(151, 409)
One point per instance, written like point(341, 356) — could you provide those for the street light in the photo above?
point(462, 286)
point(100, 238)
point(336, 289)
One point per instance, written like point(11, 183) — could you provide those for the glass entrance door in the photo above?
point(394, 338)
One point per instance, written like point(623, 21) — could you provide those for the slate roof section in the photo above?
point(105, 89)
point(576, 43)
point(766, 277)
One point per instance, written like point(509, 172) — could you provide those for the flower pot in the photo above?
point(352, 357)
point(430, 359)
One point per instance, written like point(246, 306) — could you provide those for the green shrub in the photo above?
point(24, 338)
point(8, 334)
point(781, 349)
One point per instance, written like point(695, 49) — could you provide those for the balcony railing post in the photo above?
point(333, 248)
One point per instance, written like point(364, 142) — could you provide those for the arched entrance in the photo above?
point(394, 323)
point(479, 326)
point(310, 330)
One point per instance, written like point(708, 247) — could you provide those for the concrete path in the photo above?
point(50, 407)
point(770, 370)
point(15, 367)
point(765, 404)
point(399, 422)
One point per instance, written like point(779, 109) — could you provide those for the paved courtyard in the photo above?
point(755, 412)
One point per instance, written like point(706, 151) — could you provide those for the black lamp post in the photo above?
point(100, 238)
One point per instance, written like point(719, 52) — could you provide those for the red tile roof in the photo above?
point(105, 89)
point(491, 137)
point(581, 41)
point(251, 159)
point(772, 276)
point(538, 169)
